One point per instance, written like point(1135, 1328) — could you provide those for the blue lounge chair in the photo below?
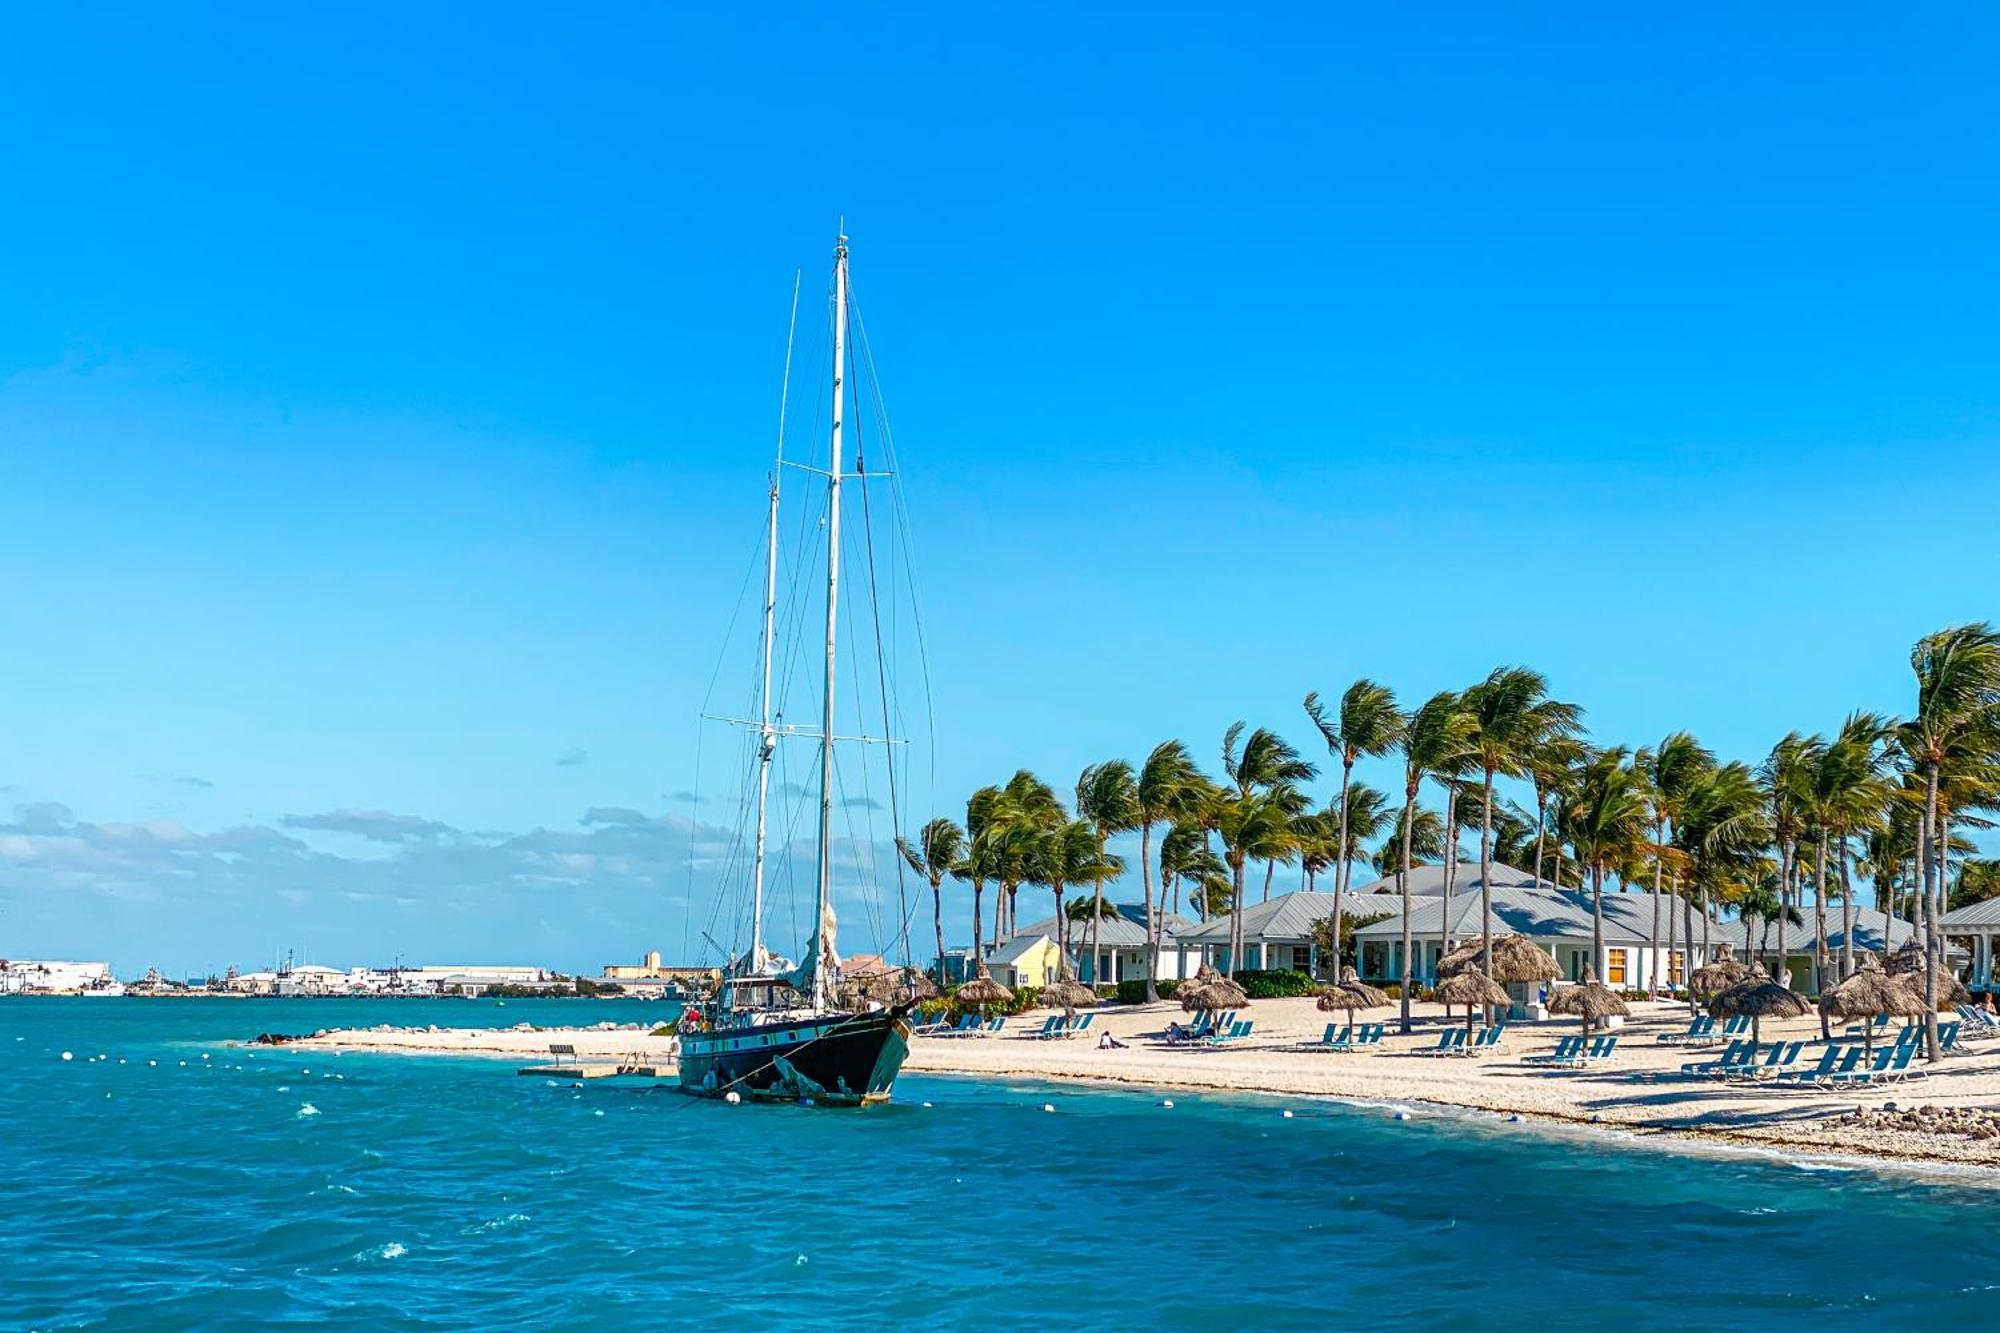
point(1484, 1040)
point(1076, 1026)
point(1335, 1038)
point(1601, 1050)
point(1735, 1027)
point(1734, 1056)
point(1052, 1027)
point(1566, 1052)
point(994, 1026)
point(1451, 1041)
point(1239, 1031)
point(1829, 1061)
point(1781, 1056)
point(1699, 1031)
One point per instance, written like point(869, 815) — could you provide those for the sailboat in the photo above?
point(771, 1032)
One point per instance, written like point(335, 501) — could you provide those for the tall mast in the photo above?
point(767, 737)
point(825, 879)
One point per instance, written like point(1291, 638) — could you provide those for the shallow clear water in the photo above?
point(455, 1193)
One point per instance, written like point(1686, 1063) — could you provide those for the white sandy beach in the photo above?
point(1641, 1091)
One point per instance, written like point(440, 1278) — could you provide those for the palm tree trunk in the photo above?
point(1820, 956)
point(1236, 920)
point(1846, 912)
point(1653, 945)
point(1403, 883)
point(1541, 825)
point(1597, 920)
point(1927, 852)
point(1666, 963)
point(1486, 878)
point(1340, 869)
point(1152, 924)
point(1784, 977)
point(937, 919)
point(1270, 869)
point(978, 949)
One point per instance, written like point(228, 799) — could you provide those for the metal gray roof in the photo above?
point(1126, 930)
point(1557, 914)
point(1289, 916)
point(1873, 931)
point(1972, 915)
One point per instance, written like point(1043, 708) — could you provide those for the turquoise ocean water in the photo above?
point(400, 1192)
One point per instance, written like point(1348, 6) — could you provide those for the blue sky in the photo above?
point(385, 400)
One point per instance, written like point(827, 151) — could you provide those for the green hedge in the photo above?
point(1275, 983)
point(1134, 991)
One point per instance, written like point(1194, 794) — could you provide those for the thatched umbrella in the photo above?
point(1213, 992)
point(1757, 998)
point(983, 990)
point(1589, 1001)
point(1516, 959)
point(1470, 988)
point(1868, 992)
point(1350, 995)
point(1711, 979)
point(1909, 960)
point(1064, 994)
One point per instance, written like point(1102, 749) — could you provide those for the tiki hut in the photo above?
point(1711, 979)
point(1590, 1002)
point(1470, 988)
point(1066, 995)
point(1908, 961)
point(1870, 992)
point(1517, 960)
point(1757, 998)
point(1213, 992)
point(1350, 995)
point(1351, 980)
point(983, 990)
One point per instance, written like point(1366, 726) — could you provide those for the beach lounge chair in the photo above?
point(1735, 1027)
point(1239, 1031)
point(1879, 1022)
point(1699, 1031)
point(1484, 1040)
point(1782, 1055)
point(994, 1026)
point(1601, 1050)
point(1567, 1050)
point(1052, 1027)
point(1842, 1071)
point(1829, 1061)
point(1335, 1038)
point(1451, 1041)
point(1734, 1056)
point(1076, 1026)
point(1948, 1035)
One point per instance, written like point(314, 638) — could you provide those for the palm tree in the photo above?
point(1512, 716)
point(1551, 767)
point(1786, 775)
point(1426, 832)
point(1438, 735)
point(1606, 825)
point(1252, 825)
point(1261, 762)
point(1956, 723)
point(1671, 771)
point(1026, 809)
point(939, 851)
point(1107, 795)
point(1851, 791)
point(1186, 855)
point(1368, 726)
point(1063, 854)
point(1720, 832)
point(1169, 786)
point(981, 811)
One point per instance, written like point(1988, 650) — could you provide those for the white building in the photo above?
point(29, 976)
point(1120, 942)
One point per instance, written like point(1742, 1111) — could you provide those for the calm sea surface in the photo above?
point(159, 1189)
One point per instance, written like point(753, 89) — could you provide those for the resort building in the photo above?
point(1978, 923)
point(1874, 932)
point(1120, 939)
point(1429, 881)
point(1025, 960)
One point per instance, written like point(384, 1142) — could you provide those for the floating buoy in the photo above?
point(733, 1098)
point(67, 1056)
point(152, 1064)
point(1288, 1115)
point(204, 1055)
point(1167, 1105)
point(1046, 1106)
point(597, 1113)
point(926, 1105)
point(1402, 1115)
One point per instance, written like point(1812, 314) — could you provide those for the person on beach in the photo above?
point(1107, 1042)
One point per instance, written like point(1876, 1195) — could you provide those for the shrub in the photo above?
point(1275, 983)
point(1394, 990)
point(1134, 991)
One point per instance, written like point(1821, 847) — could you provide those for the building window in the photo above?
point(1614, 967)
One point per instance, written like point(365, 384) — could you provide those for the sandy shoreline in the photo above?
point(1641, 1093)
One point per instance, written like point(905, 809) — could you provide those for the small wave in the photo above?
point(498, 1224)
point(307, 1109)
point(334, 1187)
point(393, 1250)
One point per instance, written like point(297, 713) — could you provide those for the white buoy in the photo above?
point(204, 1055)
point(1046, 1106)
point(1402, 1115)
point(1288, 1115)
point(927, 1105)
point(733, 1098)
point(67, 1056)
point(1167, 1105)
point(597, 1113)
point(152, 1064)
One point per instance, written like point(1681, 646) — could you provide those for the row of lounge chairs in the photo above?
point(1454, 1041)
point(968, 1025)
point(1349, 1038)
point(1703, 1032)
point(1057, 1027)
point(1577, 1053)
point(1978, 1022)
point(1839, 1066)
